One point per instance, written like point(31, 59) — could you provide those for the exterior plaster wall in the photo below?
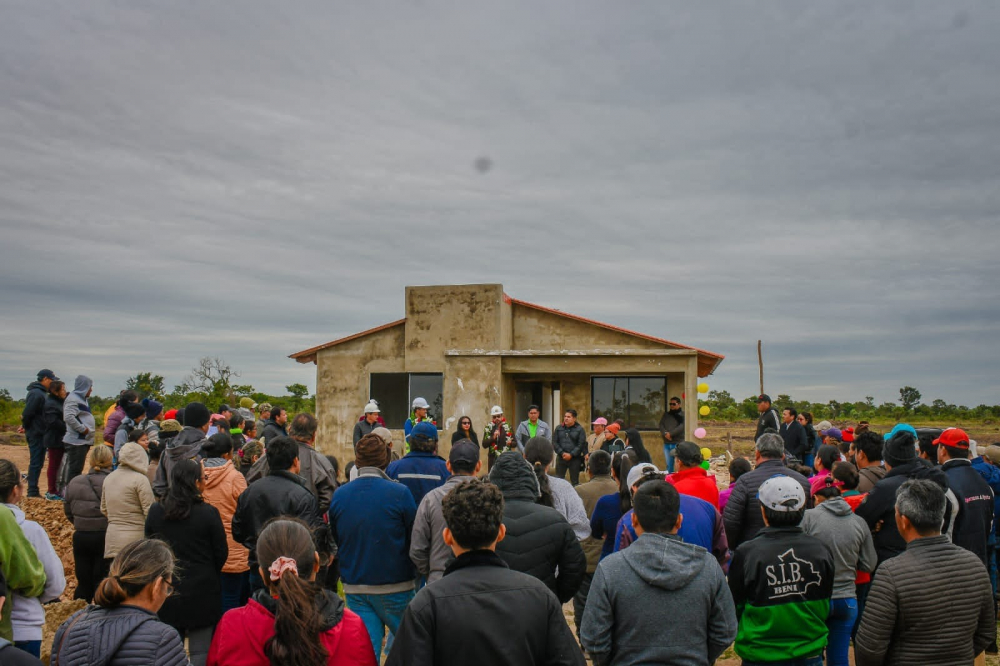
point(535, 329)
point(472, 384)
point(342, 386)
point(451, 317)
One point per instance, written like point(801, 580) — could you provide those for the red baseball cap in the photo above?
point(953, 437)
point(847, 434)
point(171, 414)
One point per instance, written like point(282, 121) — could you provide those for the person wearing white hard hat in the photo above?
point(418, 415)
point(369, 422)
point(498, 436)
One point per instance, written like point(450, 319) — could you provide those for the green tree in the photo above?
point(909, 398)
point(298, 393)
point(147, 385)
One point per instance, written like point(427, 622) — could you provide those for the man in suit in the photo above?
point(793, 433)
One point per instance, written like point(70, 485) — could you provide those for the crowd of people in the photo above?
point(225, 537)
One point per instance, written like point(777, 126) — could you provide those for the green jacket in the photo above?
point(21, 567)
point(781, 581)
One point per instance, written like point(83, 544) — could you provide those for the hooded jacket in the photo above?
point(122, 636)
point(742, 514)
point(869, 476)
point(523, 432)
point(539, 541)
point(21, 568)
point(243, 632)
point(55, 427)
point(428, 551)
point(481, 612)
point(82, 503)
point(848, 538)
point(126, 499)
point(112, 422)
point(31, 415)
point(185, 446)
point(696, 482)
point(781, 582)
point(931, 606)
point(79, 420)
point(631, 612)
point(27, 616)
point(223, 487)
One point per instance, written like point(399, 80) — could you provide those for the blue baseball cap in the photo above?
point(424, 429)
point(900, 427)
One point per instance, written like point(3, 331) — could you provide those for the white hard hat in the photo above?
point(496, 411)
point(371, 407)
point(420, 403)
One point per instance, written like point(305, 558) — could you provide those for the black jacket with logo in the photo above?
point(975, 501)
point(768, 419)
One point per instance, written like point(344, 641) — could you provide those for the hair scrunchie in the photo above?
point(281, 565)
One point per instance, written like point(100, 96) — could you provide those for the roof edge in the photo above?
point(309, 355)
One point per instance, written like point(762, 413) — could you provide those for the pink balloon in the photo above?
point(699, 433)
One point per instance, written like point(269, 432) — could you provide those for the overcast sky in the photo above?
point(246, 180)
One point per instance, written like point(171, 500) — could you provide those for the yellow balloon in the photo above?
point(705, 410)
point(703, 388)
point(706, 453)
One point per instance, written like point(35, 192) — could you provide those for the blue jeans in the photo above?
point(34, 648)
point(379, 611)
point(668, 456)
point(862, 592)
point(843, 613)
point(801, 661)
point(235, 589)
point(36, 460)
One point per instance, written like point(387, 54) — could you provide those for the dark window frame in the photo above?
point(625, 412)
point(436, 411)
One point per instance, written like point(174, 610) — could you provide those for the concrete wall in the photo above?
point(535, 329)
point(342, 385)
point(472, 384)
point(450, 317)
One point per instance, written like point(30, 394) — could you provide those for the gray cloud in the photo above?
point(189, 180)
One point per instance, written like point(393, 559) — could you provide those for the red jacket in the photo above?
point(242, 632)
point(696, 482)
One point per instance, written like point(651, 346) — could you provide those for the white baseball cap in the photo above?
point(782, 493)
point(636, 473)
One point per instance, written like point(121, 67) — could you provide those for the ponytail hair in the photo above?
point(539, 452)
point(287, 554)
point(622, 462)
point(136, 566)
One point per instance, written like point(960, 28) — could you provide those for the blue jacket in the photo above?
point(371, 519)
point(607, 513)
point(992, 475)
point(420, 472)
point(699, 526)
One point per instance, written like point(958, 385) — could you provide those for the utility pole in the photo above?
point(760, 364)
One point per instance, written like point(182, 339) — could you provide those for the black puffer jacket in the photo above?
point(31, 415)
point(539, 540)
point(55, 427)
point(571, 440)
point(123, 636)
point(742, 513)
point(280, 493)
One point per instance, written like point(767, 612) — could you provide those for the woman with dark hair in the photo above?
point(555, 492)
point(293, 621)
point(464, 430)
point(55, 430)
point(122, 628)
point(825, 459)
point(737, 468)
point(633, 440)
point(609, 509)
point(193, 530)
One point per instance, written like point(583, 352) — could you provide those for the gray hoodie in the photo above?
point(185, 446)
point(659, 601)
point(848, 538)
point(79, 420)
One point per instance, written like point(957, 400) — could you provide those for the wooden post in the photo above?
point(760, 364)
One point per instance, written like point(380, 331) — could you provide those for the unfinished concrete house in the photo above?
point(465, 348)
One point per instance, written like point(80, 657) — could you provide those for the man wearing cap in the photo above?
point(768, 418)
point(932, 604)
point(428, 551)
point(533, 427)
point(419, 414)
point(371, 519)
point(185, 446)
point(570, 444)
point(264, 415)
point(33, 427)
point(690, 478)
point(630, 616)
point(782, 582)
point(794, 434)
point(742, 513)
point(422, 469)
point(368, 423)
point(975, 497)
point(497, 437)
point(867, 452)
point(671, 430)
point(596, 440)
point(878, 506)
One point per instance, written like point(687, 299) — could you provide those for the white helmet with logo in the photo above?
point(496, 411)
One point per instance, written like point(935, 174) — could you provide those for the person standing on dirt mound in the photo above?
point(55, 430)
point(80, 426)
point(33, 426)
